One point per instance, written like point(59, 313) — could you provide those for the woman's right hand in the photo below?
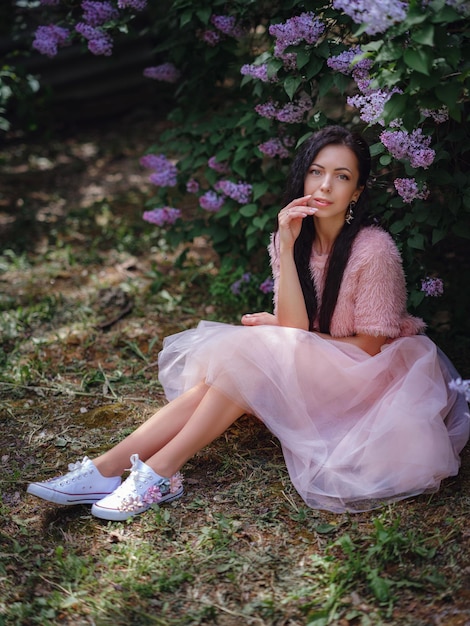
point(290, 220)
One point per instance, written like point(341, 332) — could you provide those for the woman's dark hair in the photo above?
point(330, 135)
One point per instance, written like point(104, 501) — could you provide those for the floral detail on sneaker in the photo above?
point(131, 504)
point(154, 494)
point(176, 482)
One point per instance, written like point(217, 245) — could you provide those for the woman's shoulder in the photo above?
point(374, 240)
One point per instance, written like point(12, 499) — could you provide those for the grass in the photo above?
point(240, 548)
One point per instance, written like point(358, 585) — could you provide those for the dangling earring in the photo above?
point(350, 212)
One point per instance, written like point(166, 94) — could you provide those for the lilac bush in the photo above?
point(240, 192)
point(97, 13)
point(165, 172)
point(165, 72)
point(433, 287)
point(252, 80)
point(409, 191)
point(48, 39)
point(210, 201)
point(162, 216)
point(376, 16)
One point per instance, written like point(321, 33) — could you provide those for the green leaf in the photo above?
point(248, 210)
point(325, 84)
point(186, 17)
point(314, 66)
point(417, 241)
point(291, 85)
point(204, 14)
point(376, 149)
point(303, 57)
point(449, 93)
point(259, 189)
point(260, 221)
point(380, 586)
point(424, 35)
point(325, 528)
point(418, 60)
point(395, 107)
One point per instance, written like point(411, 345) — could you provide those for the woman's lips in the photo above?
point(322, 202)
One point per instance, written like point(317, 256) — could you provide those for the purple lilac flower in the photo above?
point(273, 148)
point(371, 105)
point(461, 386)
point(99, 42)
point(290, 113)
point(461, 6)
point(165, 72)
point(211, 37)
point(267, 286)
point(97, 13)
point(377, 15)
point(433, 287)
point(414, 146)
point(240, 192)
point(350, 62)
point(137, 5)
point(438, 115)
point(211, 202)
point(260, 72)
point(227, 24)
point(408, 189)
point(165, 171)
point(162, 216)
point(221, 168)
point(305, 27)
point(192, 186)
point(49, 38)
point(237, 285)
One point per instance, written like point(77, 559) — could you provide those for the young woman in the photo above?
point(340, 373)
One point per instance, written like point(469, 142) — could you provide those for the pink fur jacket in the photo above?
point(372, 296)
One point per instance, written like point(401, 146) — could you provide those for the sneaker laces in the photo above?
point(78, 470)
point(135, 472)
point(78, 466)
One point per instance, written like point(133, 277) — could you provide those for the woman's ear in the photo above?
point(357, 193)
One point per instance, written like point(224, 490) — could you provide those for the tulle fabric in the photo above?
point(356, 431)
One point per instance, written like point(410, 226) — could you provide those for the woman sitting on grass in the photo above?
point(340, 373)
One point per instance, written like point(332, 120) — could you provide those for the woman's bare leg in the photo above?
point(213, 415)
point(153, 434)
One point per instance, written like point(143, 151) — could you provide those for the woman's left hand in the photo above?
point(259, 319)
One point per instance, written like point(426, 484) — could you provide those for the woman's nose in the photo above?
point(326, 183)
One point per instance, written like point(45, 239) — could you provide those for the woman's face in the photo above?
point(332, 180)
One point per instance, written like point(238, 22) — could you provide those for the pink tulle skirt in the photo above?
point(356, 431)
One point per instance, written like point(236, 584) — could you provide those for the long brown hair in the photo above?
point(336, 135)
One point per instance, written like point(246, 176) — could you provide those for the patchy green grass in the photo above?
point(83, 313)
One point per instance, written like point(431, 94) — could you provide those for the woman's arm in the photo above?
point(291, 310)
point(368, 343)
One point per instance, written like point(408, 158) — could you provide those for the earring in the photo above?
point(350, 212)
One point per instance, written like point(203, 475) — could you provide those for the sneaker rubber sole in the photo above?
point(58, 497)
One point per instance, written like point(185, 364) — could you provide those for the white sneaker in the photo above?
point(142, 488)
point(83, 484)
